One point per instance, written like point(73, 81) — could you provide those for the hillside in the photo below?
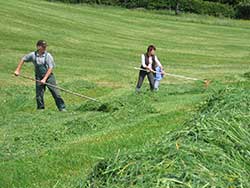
point(95, 49)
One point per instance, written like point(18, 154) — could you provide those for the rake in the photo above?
point(206, 82)
point(62, 89)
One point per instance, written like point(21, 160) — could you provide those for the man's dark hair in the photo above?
point(41, 43)
point(150, 48)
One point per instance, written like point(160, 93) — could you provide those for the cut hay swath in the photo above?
point(210, 150)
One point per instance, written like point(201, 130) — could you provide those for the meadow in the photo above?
point(95, 50)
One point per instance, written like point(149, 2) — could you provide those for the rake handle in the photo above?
point(173, 75)
point(57, 87)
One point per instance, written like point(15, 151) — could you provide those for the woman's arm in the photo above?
point(143, 63)
point(158, 62)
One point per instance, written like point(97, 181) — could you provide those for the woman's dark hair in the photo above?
point(150, 48)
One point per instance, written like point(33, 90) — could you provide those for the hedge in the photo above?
point(192, 6)
point(207, 8)
point(243, 11)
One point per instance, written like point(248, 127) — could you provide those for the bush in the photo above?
point(228, 2)
point(243, 11)
point(192, 6)
point(207, 8)
point(105, 2)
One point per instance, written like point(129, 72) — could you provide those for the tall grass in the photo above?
point(210, 150)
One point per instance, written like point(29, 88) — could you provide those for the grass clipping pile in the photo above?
point(211, 150)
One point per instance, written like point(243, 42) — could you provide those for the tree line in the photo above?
point(222, 8)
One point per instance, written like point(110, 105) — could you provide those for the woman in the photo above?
point(148, 64)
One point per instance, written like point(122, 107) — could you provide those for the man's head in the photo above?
point(151, 50)
point(41, 45)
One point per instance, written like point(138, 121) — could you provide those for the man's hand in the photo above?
point(17, 73)
point(19, 67)
point(43, 81)
point(49, 71)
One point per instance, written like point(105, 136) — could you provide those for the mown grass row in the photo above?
point(38, 147)
point(33, 130)
point(210, 150)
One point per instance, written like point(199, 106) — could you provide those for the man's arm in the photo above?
point(19, 67)
point(50, 62)
point(26, 58)
point(49, 71)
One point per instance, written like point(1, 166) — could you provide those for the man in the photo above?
point(148, 63)
point(44, 64)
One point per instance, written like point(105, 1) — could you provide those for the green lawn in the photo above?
point(95, 49)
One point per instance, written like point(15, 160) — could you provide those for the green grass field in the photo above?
point(95, 49)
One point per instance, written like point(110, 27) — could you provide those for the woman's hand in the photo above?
point(150, 69)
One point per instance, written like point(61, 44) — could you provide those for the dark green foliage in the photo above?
point(105, 2)
point(150, 4)
point(211, 150)
point(243, 10)
point(247, 75)
point(193, 6)
point(208, 8)
point(226, 8)
point(228, 2)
